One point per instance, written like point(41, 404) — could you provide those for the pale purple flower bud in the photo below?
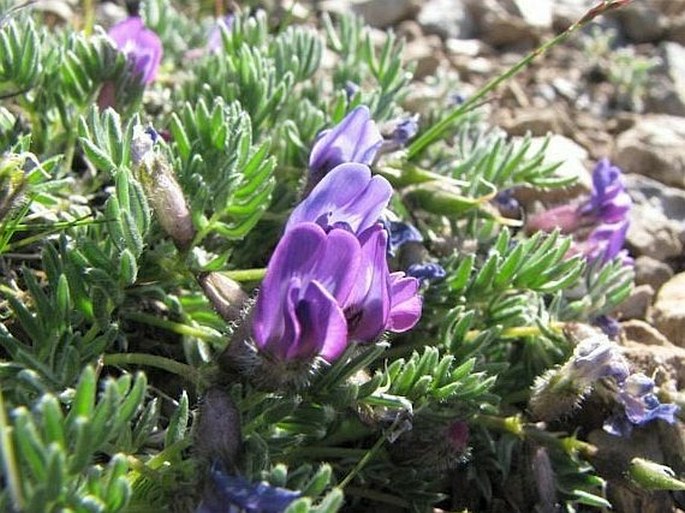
point(609, 326)
point(351, 89)
point(162, 190)
point(559, 391)
point(298, 314)
point(596, 358)
point(142, 47)
point(355, 139)
point(225, 295)
point(348, 196)
point(399, 132)
point(230, 493)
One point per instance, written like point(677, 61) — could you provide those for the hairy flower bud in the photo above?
point(217, 433)
point(162, 190)
point(225, 294)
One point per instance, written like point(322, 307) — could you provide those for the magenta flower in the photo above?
point(379, 300)
point(299, 314)
point(141, 45)
point(347, 196)
point(355, 139)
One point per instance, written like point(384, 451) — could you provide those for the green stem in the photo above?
point(519, 331)
point(437, 130)
point(9, 460)
point(368, 456)
point(151, 360)
point(246, 274)
point(88, 17)
point(176, 327)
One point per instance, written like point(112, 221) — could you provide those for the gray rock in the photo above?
point(566, 12)
point(654, 147)
point(379, 13)
point(536, 13)
point(447, 19)
point(668, 313)
point(636, 305)
point(651, 271)
point(676, 30)
point(426, 55)
point(642, 22)
point(674, 60)
point(465, 47)
point(641, 332)
point(500, 24)
point(657, 219)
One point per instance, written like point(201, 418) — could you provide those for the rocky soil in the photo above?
point(616, 89)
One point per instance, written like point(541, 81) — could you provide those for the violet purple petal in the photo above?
point(368, 306)
point(355, 139)
point(298, 313)
point(405, 303)
point(324, 327)
point(347, 195)
point(295, 253)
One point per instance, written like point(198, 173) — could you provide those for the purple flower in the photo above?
point(609, 202)
point(142, 47)
point(641, 406)
point(379, 300)
point(298, 314)
point(355, 139)
point(232, 494)
point(347, 196)
point(606, 242)
point(600, 223)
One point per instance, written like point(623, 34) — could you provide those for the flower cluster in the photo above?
point(328, 281)
point(600, 223)
point(596, 357)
